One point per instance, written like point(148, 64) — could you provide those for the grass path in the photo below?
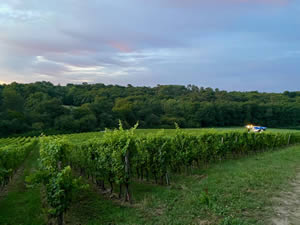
point(91, 206)
point(233, 192)
point(287, 205)
point(20, 205)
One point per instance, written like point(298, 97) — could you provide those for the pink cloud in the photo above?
point(122, 47)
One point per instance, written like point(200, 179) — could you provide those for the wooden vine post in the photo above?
point(127, 169)
point(288, 143)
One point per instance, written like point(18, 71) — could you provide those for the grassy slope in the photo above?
point(22, 205)
point(238, 192)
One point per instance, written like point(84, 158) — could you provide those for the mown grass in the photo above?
point(22, 205)
point(229, 192)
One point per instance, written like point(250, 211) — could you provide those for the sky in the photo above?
point(227, 44)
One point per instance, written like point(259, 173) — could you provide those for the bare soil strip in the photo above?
point(287, 205)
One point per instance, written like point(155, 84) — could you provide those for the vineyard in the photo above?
point(13, 152)
point(114, 160)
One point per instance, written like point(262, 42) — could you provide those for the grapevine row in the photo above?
point(56, 175)
point(12, 155)
point(120, 155)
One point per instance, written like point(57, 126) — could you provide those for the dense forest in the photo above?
point(44, 107)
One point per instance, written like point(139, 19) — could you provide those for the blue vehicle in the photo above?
point(256, 128)
point(259, 129)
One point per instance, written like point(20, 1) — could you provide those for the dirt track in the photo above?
point(287, 205)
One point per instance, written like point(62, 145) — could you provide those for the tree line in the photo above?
point(45, 107)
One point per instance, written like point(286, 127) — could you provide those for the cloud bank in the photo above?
point(229, 44)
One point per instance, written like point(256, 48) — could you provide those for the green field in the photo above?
point(236, 190)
